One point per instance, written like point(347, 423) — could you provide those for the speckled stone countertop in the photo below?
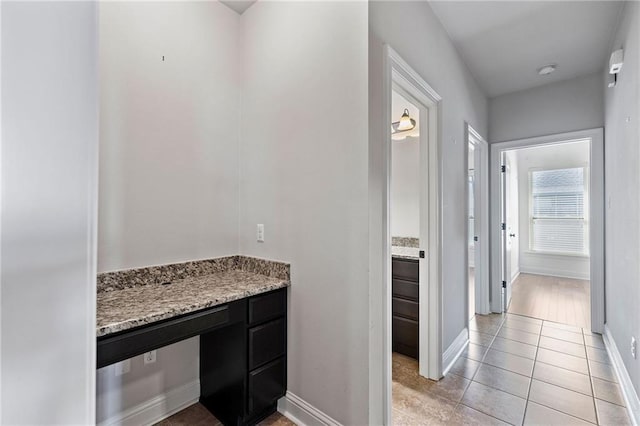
point(405, 247)
point(405, 252)
point(135, 297)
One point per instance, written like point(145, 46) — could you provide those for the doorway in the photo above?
point(477, 223)
point(547, 252)
point(402, 81)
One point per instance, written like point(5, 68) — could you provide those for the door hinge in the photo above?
point(421, 254)
point(504, 284)
point(503, 226)
point(503, 169)
point(475, 238)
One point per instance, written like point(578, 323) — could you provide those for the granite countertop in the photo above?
point(405, 247)
point(405, 252)
point(122, 305)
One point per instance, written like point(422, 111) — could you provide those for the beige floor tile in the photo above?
point(495, 403)
point(503, 380)
point(598, 355)
point(524, 318)
point(518, 335)
point(603, 371)
point(474, 352)
point(561, 326)
point(479, 338)
point(561, 377)
point(557, 333)
point(539, 415)
point(594, 340)
point(564, 400)
point(562, 360)
point(466, 416)
point(402, 419)
point(522, 325)
point(450, 387)
point(514, 363)
point(564, 346)
point(423, 406)
point(515, 348)
point(608, 391)
point(491, 329)
point(465, 367)
point(611, 414)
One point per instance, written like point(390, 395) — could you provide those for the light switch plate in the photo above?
point(260, 233)
point(150, 357)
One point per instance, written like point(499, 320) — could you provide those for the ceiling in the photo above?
point(503, 43)
point(238, 5)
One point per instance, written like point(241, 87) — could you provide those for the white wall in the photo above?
point(551, 157)
point(405, 188)
point(303, 174)
point(168, 159)
point(413, 30)
point(622, 193)
point(565, 106)
point(49, 192)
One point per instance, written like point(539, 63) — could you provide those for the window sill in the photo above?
point(555, 253)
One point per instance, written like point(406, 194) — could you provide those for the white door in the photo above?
point(506, 231)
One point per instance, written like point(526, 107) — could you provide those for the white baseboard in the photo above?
point(630, 396)
point(514, 275)
point(157, 408)
point(553, 273)
point(302, 413)
point(453, 352)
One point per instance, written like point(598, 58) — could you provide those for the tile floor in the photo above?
point(516, 370)
point(197, 415)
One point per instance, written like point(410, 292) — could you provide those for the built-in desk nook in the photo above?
point(238, 307)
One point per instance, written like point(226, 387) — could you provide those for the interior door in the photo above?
point(506, 231)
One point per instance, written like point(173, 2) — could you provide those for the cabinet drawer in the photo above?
point(406, 289)
point(405, 336)
point(267, 306)
point(405, 308)
point(267, 342)
point(405, 269)
point(266, 385)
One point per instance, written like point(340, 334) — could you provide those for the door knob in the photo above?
point(512, 235)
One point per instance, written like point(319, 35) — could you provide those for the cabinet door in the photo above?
point(266, 385)
point(405, 269)
point(405, 336)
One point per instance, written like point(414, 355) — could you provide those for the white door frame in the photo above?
point(596, 207)
point(481, 218)
point(398, 73)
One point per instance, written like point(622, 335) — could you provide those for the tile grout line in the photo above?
point(526, 405)
point(593, 390)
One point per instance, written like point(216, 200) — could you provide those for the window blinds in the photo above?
point(557, 211)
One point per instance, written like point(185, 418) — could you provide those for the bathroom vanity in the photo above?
point(405, 300)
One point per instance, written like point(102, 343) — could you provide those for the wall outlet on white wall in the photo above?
point(260, 233)
point(150, 357)
point(123, 367)
point(634, 353)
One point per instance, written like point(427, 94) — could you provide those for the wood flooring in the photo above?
point(562, 300)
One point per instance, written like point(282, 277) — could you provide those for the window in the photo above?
point(558, 221)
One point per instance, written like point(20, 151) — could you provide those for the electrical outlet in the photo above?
point(260, 233)
point(123, 367)
point(150, 357)
point(633, 347)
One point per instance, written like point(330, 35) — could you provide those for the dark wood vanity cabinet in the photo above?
point(404, 306)
point(238, 389)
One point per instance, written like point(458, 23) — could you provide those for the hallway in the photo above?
point(516, 370)
point(561, 300)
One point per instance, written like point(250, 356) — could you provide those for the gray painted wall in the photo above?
point(622, 192)
point(168, 159)
point(303, 174)
point(49, 192)
point(565, 106)
point(413, 30)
